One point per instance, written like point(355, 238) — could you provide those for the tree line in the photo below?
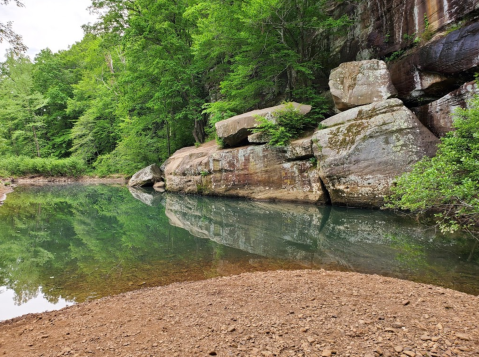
point(152, 76)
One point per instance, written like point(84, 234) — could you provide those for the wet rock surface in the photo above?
point(146, 177)
point(284, 313)
point(438, 115)
point(362, 150)
point(235, 130)
point(354, 84)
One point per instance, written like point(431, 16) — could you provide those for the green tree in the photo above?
point(20, 107)
point(7, 33)
point(259, 51)
point(447, 184)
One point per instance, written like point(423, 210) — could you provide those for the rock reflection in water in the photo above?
point(368, 241)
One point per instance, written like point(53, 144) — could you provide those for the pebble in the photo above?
point(463, 336)
point(398, 349)
point(326, 353)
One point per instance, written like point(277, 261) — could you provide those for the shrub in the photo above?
point(23, 166)
point(447, 184)
point(288, 124)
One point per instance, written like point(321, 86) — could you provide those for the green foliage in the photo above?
point(20, 109)
point(24, 166)
point(394, 56)
point(448, 183)
point(256, 51)
point(285, 125)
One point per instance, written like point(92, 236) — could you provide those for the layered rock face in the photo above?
point(385, 26)
point(431, 70)
point(363, 149)
point(259, 172)
point(438, 115)
point(353, 84)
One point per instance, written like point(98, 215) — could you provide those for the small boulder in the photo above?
point(146, 177)
point(359, 83)
point(233, 131)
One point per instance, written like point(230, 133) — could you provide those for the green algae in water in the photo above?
point(70, 243)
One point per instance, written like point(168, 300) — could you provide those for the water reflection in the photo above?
point(367, 241)
point(74, 242)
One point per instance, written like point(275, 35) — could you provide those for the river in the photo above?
point(65, 244)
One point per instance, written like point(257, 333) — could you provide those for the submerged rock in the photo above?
point(146, 177)
point(363, 149)
point(438, 115)
point(358, 83)
point(235, 130)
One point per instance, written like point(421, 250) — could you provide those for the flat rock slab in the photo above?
point(364, 149)
point(235, 130)
point(438, 115)
point(282, 313)
point(359, 83)
point(146, 177)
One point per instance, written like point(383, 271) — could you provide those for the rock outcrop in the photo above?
point(258, 172)
point(146, 177)
point(362, 150)
point(354, 84)
point(234, 131)
point(438, 115)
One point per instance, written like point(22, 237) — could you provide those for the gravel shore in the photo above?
point(281, 313)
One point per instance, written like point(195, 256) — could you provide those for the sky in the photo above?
point(55, 24)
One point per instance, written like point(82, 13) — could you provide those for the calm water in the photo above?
point(60, 245)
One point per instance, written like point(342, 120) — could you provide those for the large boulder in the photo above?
point(146, 177)
point(429, 72)
point(258, 172)
point(233, 131)
point(438, 115)
point(358, 83)
point(362, 150)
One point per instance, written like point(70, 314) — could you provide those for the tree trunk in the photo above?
point(168, 138)
point(36, 141)
point(199, 131)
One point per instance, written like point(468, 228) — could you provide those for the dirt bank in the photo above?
point(283, 313)
point(59, 180)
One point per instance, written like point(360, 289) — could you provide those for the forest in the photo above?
point(153, 76)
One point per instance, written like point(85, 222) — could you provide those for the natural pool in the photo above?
point(64, 244)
